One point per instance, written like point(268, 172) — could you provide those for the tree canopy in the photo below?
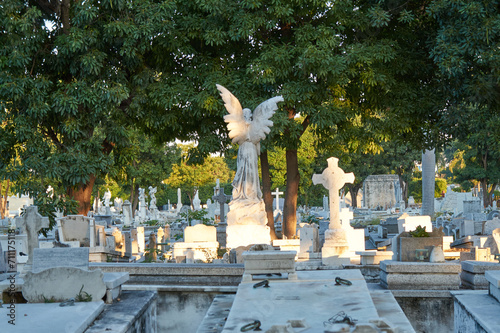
point(77, 77)
point(466, 52)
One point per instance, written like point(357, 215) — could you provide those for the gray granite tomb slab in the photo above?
point(479, 267)
point(60, 257)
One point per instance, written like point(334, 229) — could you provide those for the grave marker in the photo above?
point(31, 222)
point(277, 193)
point(221, 227)
point(77, 257)
point(334, 178)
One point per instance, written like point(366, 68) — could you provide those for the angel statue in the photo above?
point(247, 130)
point(152, 192)
point(107, 198)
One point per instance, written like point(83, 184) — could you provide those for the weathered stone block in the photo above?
point(62, 283)
point(268, 262)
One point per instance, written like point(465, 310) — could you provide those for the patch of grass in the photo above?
point(49, 300)
point(83, 296)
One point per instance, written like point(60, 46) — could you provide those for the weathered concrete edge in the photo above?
point(479, 267)
point(464, 295)
point(168, 288)
point(422, 293)
point(171, 269)
point(392, 266)
point(388, 308)
point(119, 316)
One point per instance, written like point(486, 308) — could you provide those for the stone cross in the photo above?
point(277, 193)
point(333, 179)
point(221, 199)
point(32, 222)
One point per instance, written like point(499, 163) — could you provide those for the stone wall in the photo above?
point(465, 321)
point(183, 311)
point(182, 308)
point(427, 311)
point(381, 191)
point(177, 274)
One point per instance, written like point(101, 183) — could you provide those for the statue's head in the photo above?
point(247, 113)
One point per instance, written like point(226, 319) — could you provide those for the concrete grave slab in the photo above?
point(136, 312)
point(113, 282)
point(419, 275)
point(475, 311)
point(493, 277)
point(214, 320)
point(50, 317)
point(388, 308)
point(374, 257)
point(3, 260)
point(472, 274)
point(287, 301)
point(479, 267)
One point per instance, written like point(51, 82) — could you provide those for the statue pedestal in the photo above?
point(247, 224)
point(334, 248)
point(154, 213)
point(244, 235)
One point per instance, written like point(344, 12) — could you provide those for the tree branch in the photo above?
point(49, 132)
point(107, 146)
point(305, 124)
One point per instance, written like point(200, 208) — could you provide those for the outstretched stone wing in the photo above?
point(261, 125)
point(236, 124)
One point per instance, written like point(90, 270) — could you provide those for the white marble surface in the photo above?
point(313, 297)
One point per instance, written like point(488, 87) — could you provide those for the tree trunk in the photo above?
point(291, 193)
point(82, 193)
point(65, 5)
point(486, 194)
point(404, 189)
point(490, 194)
point(134, 197)
point(266, 193)
point(353, 190)
point(3, 199)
